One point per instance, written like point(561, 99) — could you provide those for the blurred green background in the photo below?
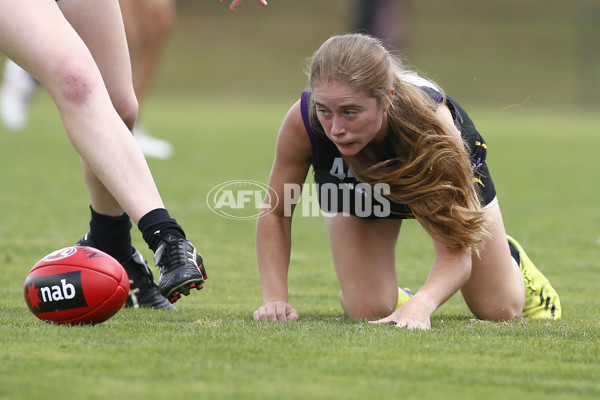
point(507, 53)
point(510, 52)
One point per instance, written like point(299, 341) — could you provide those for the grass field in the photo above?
point(543, 157)
point(545, 166)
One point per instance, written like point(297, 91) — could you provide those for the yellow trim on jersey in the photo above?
point(478, 143)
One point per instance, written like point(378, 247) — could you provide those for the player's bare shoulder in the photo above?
point(293, 141)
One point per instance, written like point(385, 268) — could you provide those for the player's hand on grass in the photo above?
point(413, 314)
point(276, 311)
point(236, 3)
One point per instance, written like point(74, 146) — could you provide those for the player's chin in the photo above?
point(349, 149)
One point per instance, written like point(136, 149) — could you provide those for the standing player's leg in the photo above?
point(112, 57)
point(107, 45)
point(109, 226)
point(58, 58)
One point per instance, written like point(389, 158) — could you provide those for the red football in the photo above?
point(76, 285)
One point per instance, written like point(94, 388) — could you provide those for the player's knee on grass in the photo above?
point(359, 307)
point(504, 311)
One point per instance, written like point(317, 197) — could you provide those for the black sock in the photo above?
point(111, 234)
point(157, 222)
point(514, 253)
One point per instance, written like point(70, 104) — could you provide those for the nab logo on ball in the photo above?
point(76, 285)
point(55, 292)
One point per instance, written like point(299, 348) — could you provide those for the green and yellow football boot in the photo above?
point(541, 300)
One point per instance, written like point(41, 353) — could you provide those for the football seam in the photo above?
point(83, 267)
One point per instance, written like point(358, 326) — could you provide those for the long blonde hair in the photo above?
point(430, 169)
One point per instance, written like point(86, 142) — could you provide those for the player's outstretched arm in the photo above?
point(235, 3)
point(273, 230)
